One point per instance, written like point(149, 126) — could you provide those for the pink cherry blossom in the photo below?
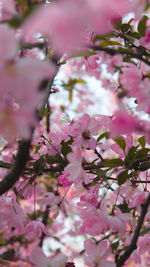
point(9, 46)
point(35, 228)
point(97, 255)
point(16, 74)
point(123, 123)
point(40, 259)
point(75, 168)
point(63, 179)
point(83, 130)
point(7, 9)
point(63, 21)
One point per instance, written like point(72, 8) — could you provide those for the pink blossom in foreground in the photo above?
point(97, 255)
point(9, 45)
point(7, 9)
point(62, 21)
point(123, 123)
point(24, 91)
point(102, 14)
point(20, 79)
point(41, 260)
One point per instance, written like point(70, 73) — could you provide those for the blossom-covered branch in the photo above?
point(133, 245)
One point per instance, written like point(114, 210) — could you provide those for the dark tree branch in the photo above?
point(120, 262)
point(44, 221)
point(17, 168)
point(113, 52)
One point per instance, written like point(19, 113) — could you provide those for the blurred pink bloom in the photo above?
point(62, 21)
point(9, 44)
point(97, 255)
point(34, 229)
point(7, 9)
point(41, 260)
point(123, 123)
point(20, 79)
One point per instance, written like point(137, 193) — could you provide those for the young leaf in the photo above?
point(112, 163)
point(104, 135)
point(129, 159)
point(142, 25)
point(107, 43)
point(84, 53)
point(120, 142)
point(125, 27)
point(39, 165)
point(142, 141)
point(122, 177)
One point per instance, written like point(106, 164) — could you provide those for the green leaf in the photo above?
point(39, 165)
point(21, 2)
point(84, 53)
point(4, 263)
point(145, 231)
point(66, 149)
point(135, 35)
point(70, 94)
point(129, 159)
point(122, 177)
point(45, 112)
point(107, 43)
point(99, 37)
point(112, 163)
point(54, 159)
point(104, 135)
point(117, 24)
point(121, 142)
point(104, 37)
point(128, 59)
point(148, 75)
point(142, 153)
point(125, 27)
point(100, 172)
point(142, 141)
point(124, 207)
point(142, 25)
point(115, 245)
point(144, 166)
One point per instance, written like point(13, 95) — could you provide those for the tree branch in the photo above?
point(17, 168)
point(135, 237)
point(114, 52)
point(44, 221)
